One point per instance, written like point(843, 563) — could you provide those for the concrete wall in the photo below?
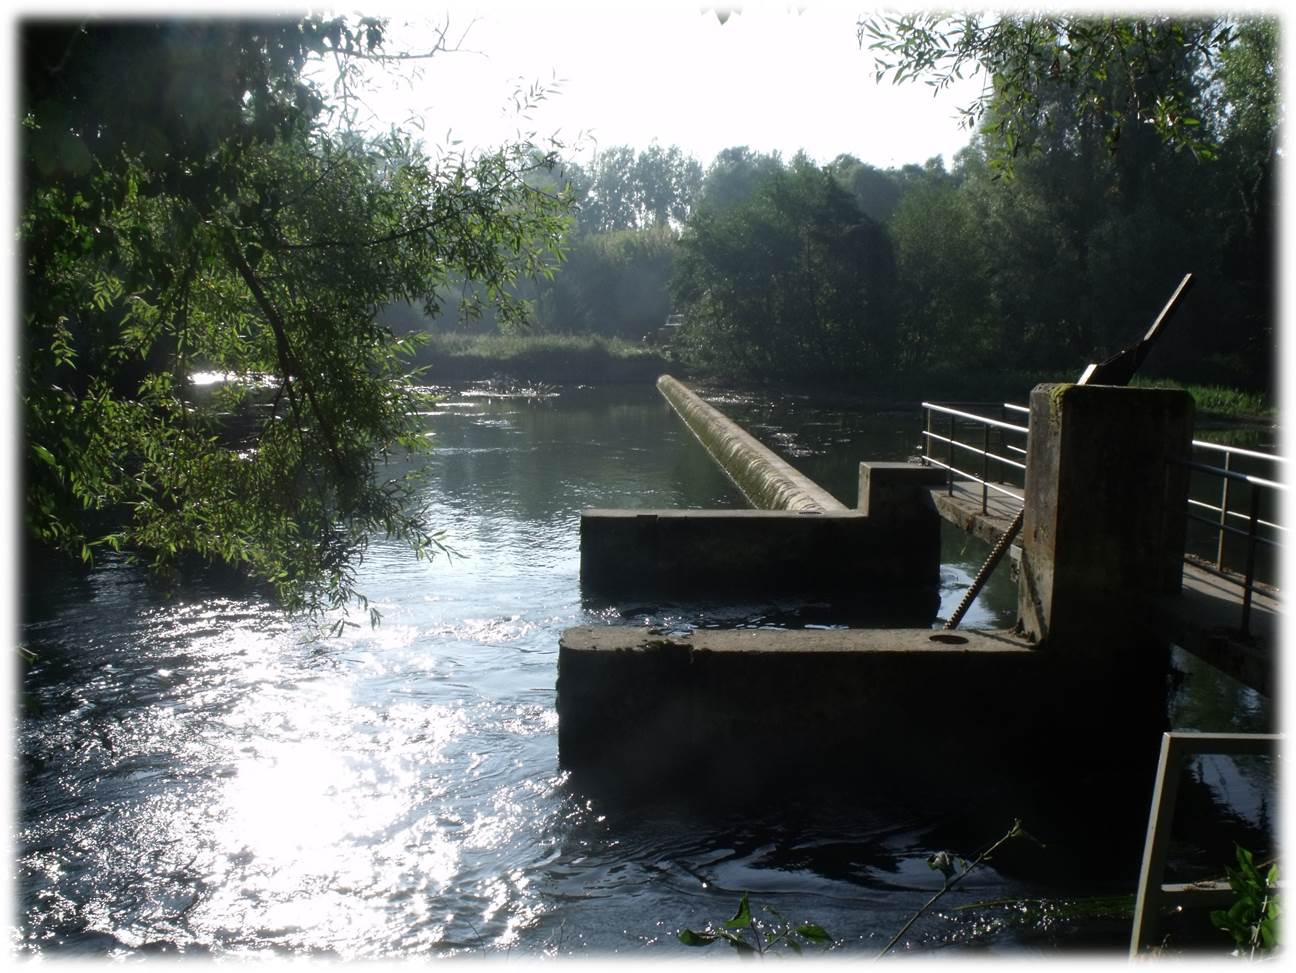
point(1103, 531)
point(634, 695)
point(759, 554)
point(1106, 511)
point(800, 542)
point(765, 479)
point(876, 705)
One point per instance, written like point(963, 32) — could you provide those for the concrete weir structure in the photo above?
point(799, 542)
point(1106, 508)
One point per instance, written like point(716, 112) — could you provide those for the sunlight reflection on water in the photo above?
point(198, 778)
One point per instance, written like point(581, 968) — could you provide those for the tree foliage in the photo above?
point(186, 208)
point(614, 283)
point(790, 279)
point(1119, 73)
point(1138, 150)
point(625, 189)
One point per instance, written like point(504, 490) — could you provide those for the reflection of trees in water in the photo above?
point(1222, 800)
point(1206, 700)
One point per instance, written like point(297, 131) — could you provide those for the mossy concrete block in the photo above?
point(1106, 511)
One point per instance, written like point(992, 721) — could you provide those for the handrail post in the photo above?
point(1224, 512)
point(1002, 448)
point(950, 455)
point(985, 467)
point(927, 440)
point(1249, 581)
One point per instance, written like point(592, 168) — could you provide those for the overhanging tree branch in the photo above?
point(288, 363)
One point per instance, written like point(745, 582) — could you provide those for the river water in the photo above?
point(199, 778)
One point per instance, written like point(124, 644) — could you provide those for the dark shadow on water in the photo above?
point(908, 608)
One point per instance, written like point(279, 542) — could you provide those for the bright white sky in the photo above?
point(774, 76)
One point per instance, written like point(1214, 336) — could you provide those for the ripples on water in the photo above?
point(197, 778)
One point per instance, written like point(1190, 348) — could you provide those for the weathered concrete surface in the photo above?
point(898, 493)
point(1104, 534)
point(802, 543)
point(765, 479)
point(703, 554)
point(854, 701)
point(1105, 515)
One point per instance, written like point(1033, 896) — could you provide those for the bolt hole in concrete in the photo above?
point(948, 639)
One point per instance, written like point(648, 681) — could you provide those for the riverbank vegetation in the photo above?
point(556, 359)
point(194, 202)
point(1135, 151)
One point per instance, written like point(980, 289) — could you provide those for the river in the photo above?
point(198, 778)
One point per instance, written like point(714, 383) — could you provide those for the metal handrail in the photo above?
point(1222, 514)
point(951, 443)
point(1229, 529)
point(944, 410)
point(1221, 518)
point(980, 452)
point(987, 484)
point(1238, 451)
point(1235, 475)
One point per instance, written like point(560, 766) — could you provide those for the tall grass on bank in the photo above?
point(568, 359)
point(552, 358)
point(504, 347)
point(1218, 400)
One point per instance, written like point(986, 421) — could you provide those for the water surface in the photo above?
point(198, 778)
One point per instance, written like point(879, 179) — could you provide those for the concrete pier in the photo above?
point(1106, 508)
point(801, 542)
point(705, 554)
point(890, 545)
point(856, 699)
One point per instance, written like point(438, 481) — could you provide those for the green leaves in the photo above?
point(690, 938)
point(1117, 73)
point(742, 919)
point(1253, 919)
point(789, 278)
point(752, 936)
point(257, 243)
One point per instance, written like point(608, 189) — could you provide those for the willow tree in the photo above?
point(1120, 73)
point(190, 203)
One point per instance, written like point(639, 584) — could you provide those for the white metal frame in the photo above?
point(1153, 895)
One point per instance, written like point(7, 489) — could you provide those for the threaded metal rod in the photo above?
point(991, 562)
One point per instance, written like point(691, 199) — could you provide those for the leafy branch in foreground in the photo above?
point(204, 216)
point(751, 935)
point(1119, 72)
point(1252, 920)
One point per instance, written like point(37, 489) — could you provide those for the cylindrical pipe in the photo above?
point(766, 480)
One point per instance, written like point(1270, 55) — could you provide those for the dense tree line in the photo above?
point(1050, 241)
point(790, 276)
point(1111, 157)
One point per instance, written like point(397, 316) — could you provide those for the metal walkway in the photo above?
point(1227, 617)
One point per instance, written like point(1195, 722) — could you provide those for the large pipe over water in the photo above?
point(765, 479)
